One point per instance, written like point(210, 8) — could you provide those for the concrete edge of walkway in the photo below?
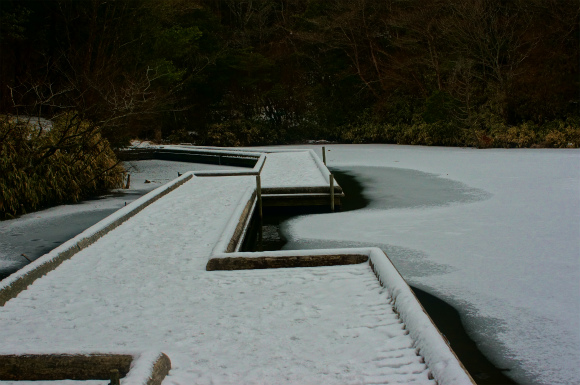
point(14, 284)
point(256, 170)
point(321, 166)
point(444, 364)
point(235, 229)
point(144, 368)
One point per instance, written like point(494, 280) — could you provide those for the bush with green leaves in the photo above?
point(44, 165)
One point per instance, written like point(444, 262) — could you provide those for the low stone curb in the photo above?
point(83, 367)
point(248, 263)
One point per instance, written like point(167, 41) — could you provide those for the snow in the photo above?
point(427, 340)
point(144, 286)
point(33, 121)
point(136, 143)
point(430, 344)
point(142, 367)
point(504, 249)
point(237, 212)
point(37, 233)
point(292, 169)
point(159, 172)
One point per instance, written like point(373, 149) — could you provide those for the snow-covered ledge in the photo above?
point(321, 166)
point(444, 364)
point(232, 235)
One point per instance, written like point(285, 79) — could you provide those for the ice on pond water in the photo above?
point(389, 188)
point(492, 232)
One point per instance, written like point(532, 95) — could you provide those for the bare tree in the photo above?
point(494, 36)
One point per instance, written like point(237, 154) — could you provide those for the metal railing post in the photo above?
point(260, 215)
point(331, 192)
point(259, 195)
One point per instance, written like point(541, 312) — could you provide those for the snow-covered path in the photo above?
point(37, 233)
point(508, 260)
point(292, 169)
point(143, 286)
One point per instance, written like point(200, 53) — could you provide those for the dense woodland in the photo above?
point(485, 73)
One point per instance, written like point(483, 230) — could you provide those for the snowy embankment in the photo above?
point(508, 258)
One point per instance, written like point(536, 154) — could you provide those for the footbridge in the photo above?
point(160, 292)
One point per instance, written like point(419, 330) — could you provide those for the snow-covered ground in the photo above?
point(37, 233)
point(503, 248)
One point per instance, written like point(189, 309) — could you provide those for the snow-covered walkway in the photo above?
point(143, 286)
point(304, 169)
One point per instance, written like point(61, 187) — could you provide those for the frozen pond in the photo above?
point(395, 188)
point(37, 233)
point(503, 247)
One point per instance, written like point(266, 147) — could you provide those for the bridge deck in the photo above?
point(292, 169)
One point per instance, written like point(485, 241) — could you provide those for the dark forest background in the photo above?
point(230, 72)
